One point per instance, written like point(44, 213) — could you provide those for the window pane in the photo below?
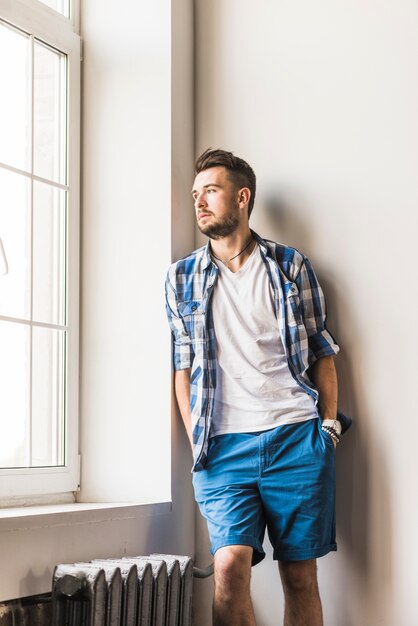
point(49, 113)
point(49, 254)
point(37, 441)
point(14, 394)
point(15, 235)
point(48, 372)
point(15, 101)
point(62, 6)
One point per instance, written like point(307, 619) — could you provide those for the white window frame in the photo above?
point(36, 19)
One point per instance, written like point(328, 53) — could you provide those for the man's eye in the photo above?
point(211, 190)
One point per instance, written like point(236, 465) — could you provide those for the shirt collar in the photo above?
point(261, 242)
point(207, 260)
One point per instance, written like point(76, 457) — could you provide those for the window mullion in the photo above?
point(39, 179)
point(31, 167)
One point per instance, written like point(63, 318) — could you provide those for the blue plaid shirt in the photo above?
point(300, 311)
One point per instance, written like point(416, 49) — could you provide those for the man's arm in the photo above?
point(322, 346)
point(324, 376)
point(182, 389)
point(183, 352)
point(313, 310)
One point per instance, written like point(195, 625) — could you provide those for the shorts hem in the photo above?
point(303, 555)
point(240, 540)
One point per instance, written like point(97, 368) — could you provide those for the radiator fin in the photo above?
point(153, 590)
point(186, 586)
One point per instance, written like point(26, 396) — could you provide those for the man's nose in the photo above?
point(200, 201)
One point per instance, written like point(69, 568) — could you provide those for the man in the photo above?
point(256, 386)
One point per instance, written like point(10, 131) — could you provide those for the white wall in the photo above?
point(321, 99)
point(125, 398)
point(130, 50)
point(137, 100)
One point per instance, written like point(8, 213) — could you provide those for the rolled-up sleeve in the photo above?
point(313, 308)
point(183, 353)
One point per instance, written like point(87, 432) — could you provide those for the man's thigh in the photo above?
point(228, 496)
point(297, 488)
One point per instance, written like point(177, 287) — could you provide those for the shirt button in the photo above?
point(194, 307)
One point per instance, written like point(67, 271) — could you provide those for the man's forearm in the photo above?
point(182, 389)
point(324, 376)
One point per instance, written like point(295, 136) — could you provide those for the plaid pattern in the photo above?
point(300, 311)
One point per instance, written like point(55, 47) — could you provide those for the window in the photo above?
point(61, 6)
point(39, 248)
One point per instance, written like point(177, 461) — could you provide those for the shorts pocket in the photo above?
point(328, 440)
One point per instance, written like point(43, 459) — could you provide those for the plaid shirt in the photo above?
point(300, 311)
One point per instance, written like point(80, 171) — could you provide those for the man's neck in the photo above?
point(234, 245)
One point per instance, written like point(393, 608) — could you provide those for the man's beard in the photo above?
point(222, 228)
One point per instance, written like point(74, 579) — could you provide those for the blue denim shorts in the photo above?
point(283, 478)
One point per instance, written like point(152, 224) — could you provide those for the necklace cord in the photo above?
point(234, 257)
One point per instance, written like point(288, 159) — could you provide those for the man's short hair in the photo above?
point(239, 172)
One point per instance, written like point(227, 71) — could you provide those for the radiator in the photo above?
point(153, 590)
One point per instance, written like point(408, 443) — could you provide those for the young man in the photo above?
point(256, 386)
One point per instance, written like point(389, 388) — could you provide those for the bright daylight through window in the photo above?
point(62, 6)
point(38, 251)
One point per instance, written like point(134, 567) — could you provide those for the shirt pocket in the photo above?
point(193, 315)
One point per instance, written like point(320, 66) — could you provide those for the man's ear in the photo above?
point(244, 195)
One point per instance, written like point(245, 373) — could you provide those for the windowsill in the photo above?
point(19, 518)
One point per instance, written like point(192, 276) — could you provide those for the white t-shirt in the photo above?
point(255, 389)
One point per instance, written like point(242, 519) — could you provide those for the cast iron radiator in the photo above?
point(153, 590)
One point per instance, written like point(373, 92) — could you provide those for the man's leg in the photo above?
point(300, 586)
point(232, 602)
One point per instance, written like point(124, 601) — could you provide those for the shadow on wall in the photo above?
point(281, 218)
point(360, 515)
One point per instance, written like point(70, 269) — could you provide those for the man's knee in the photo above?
point(298, 576)
point(233, 566)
